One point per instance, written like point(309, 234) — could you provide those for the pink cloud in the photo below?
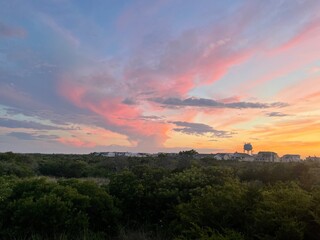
point(304, 48)
point(13, 96)
point(10, 31)
point(122, 118)
point(315, 70)
point(194, 58)
point(76, 142)
point(306, 32)
point(294, 92)
point(87, 136)
point(185, 62)
point(183, 65)
point(313, 96)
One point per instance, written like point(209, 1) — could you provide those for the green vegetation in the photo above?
point(95, 197)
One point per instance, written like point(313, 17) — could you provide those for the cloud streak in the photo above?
point(31, 136)
point(10, 123)
point(7, 31)
point(277, 114)
point(210, 103)
point(200, 129)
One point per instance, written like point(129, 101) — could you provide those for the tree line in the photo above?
point(94, 197)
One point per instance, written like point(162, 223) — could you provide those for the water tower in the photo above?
point(247, 148)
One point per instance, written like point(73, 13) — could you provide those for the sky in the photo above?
point(160, 76)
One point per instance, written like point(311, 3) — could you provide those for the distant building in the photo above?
point(142, 155)
point(291, 158)
point(223, 156)
point(105, 154)
point(242, 157)
point(314, 159)
point(121, 154)
point(267, 157)
point(204, 155)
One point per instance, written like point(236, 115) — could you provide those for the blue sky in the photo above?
point(82, 76)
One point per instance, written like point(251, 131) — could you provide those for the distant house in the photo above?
point(242, 157)
point(121, 154)
point(314, 159)
point(204, 155)
point(223, 156)
point(291, 158)
point(106, 154)
point(267, 157)
point(142, 154)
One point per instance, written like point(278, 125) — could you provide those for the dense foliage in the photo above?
point(95, 197)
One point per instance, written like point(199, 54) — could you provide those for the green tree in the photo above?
point(191, 153)
point(282, 213)
point(216, 208)
point(102, 214)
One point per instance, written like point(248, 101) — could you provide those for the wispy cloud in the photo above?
point(11, 123)
point(10, 31)
point(31, 136)
point(76, 142)
point(152, 117)
point(277, 114)
point(209, 103)
point(200, 129)
point(129, 101)
point(65, 33)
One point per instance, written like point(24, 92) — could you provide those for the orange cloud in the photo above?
point(76, 142)
point(306, 32)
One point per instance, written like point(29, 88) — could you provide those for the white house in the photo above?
point(242, 157)
point(314, 159)
point(291, 158)
point(267, 157)
point(106, 154)
point(223, 156)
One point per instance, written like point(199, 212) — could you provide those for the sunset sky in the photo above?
point(160, 75)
